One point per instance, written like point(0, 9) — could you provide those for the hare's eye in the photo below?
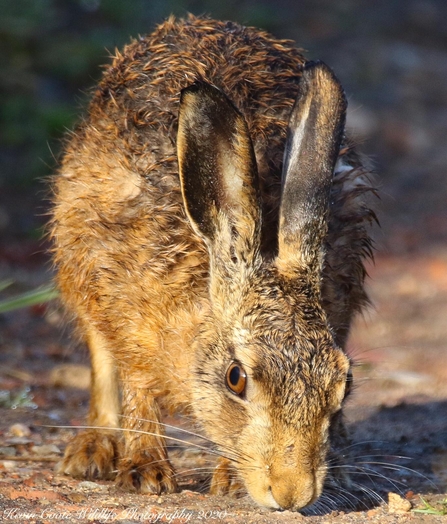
point(236, 379)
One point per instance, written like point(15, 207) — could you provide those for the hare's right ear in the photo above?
point(218, 173)
point(315, 133)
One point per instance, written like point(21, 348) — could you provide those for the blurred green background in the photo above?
point(391, 56)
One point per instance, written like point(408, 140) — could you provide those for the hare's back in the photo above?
point(119, 222)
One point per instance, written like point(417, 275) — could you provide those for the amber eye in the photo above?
point(236, 379)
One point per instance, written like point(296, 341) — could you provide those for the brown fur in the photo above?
point(134, 271)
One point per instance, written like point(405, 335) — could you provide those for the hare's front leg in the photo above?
point(93, 454)
point(144, 464)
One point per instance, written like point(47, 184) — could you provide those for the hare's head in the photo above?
point(268, 377)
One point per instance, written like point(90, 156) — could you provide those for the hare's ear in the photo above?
point(218, 172)
point(314, 137)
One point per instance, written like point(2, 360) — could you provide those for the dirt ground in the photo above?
point(397, 416)
point(392, 59)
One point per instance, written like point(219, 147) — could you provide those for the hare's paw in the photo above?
point(225, 480)
point(90, 455)
point(146, 474)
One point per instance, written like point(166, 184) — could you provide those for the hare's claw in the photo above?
point(225, 480)
point(145, 474)
point(91, 455)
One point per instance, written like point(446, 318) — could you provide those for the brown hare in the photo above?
point(210, 226)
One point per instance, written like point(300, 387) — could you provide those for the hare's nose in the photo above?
point(294, 493)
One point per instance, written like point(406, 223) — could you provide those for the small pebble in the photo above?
point(19, 430)
point(8, 464)
point(91, 486)
point(77, 498)
point(398, 504)
point(46, 449)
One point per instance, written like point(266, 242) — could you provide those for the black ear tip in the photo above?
point(310, 64)
point(317, 73)
point(194, 88)
point(208, 96)
point(202, 89)
point(200, 85)
point(317, 67)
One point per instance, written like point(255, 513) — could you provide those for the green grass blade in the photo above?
point(428, 509)
point(5, 283)
point(32, 298)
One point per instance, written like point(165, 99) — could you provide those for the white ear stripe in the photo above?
point(292, 150)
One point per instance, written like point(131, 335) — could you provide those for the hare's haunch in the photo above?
point(210, 225)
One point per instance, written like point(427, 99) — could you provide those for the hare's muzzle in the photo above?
point(286, 490)
point(294, 493)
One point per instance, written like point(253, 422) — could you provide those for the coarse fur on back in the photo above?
point(210, 226)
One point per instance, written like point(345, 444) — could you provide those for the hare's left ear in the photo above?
point(218, 173)
point(314, 137)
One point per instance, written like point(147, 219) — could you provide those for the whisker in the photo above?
point(318, 507)
point(332, 499)
point(142, 432)
point(353, 501)
point(361, 443)
point(350, 503)
point(143, 465)
point(398, 467)
point(369, 455)
point(225, 449)
point(371, 474)
point(346, 495)
point(374, 473)
point(177, 428)
point(373, 496)
point(195, 471)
